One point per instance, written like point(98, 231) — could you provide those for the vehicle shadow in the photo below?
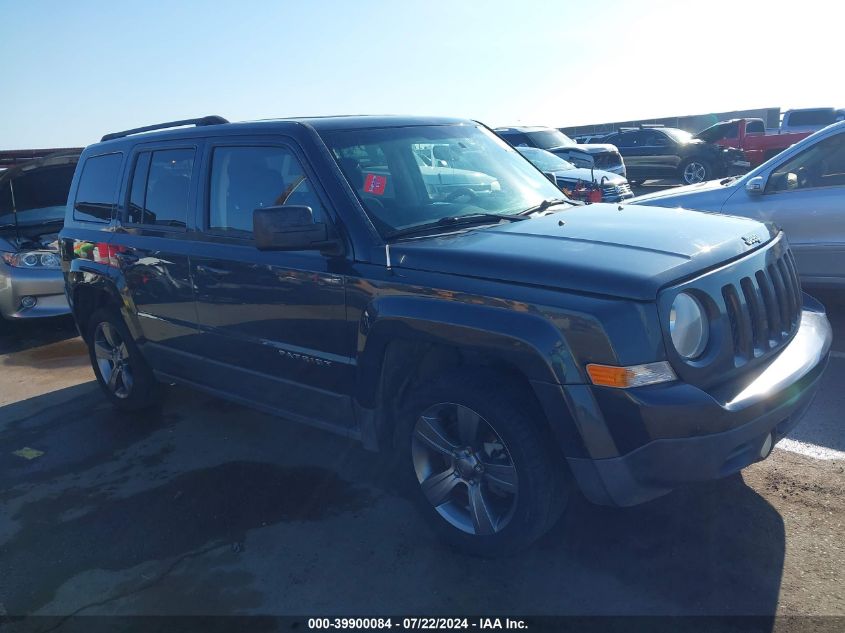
point(711, 549)
point(21, 335)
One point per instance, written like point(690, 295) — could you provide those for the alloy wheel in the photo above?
point(113, 360)
point(464, 469)
point(694, 173)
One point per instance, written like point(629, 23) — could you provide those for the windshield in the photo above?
point(726, 130)
point(544, 160)
point(415, 176)
point(35, 197)
point(679, 136)
point(549, 139)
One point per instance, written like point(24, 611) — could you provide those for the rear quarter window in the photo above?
point(96, 196)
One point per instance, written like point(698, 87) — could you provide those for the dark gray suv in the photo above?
point(501, 343)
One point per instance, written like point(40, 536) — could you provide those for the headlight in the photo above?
point(32, 259)
point(688, 326)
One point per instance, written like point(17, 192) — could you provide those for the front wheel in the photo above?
point(695, 170)
point(121, 370)
point(479, 464)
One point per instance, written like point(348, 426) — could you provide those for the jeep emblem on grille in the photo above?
point(751, 239)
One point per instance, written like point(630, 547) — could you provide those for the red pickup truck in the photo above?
point(750, 136)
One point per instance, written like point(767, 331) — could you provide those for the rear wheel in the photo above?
point(121, 370)
point(481, 470)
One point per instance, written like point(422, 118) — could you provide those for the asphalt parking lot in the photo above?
point(204, 507)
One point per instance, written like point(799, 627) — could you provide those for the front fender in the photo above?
point(523, 339)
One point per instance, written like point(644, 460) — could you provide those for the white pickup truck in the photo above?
point(810, 119)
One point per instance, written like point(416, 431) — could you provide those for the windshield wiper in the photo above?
point(456, 220)
point(545, 204)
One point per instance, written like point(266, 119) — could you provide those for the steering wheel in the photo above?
point(460, 192)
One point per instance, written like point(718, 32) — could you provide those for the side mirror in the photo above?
point(551, 177)
point(755, 186)
point(290, 228)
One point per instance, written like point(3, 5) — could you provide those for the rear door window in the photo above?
point(96, 195)
point(627, 140)
point(161, 188)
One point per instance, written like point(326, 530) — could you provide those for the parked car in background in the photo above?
point(32, 209)
point(665, 152)
point(502, 349)
point(802, 190)
point(810, 119)
point(443, 175)
point(578, 182)
point(600, 156)
point(751, 137)
point(586, 139)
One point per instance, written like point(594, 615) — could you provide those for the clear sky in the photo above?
point(74, 70)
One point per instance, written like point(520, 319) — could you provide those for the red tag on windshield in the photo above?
point(375, 184)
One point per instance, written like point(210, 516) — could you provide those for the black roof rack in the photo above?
point(206, 120)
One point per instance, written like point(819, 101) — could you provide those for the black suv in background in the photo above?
point(585, 155)
point(500, 342)
point(665, 152)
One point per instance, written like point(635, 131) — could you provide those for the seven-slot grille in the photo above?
point(763, 309)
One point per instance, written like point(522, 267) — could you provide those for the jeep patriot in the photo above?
point(503, 345)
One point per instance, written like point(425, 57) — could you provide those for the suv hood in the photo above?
point(607, 249)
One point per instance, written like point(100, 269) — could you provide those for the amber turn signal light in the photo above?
point(632, 376)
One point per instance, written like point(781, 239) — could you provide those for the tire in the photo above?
point(694, 170)
point(522, 487)
point(132, 386)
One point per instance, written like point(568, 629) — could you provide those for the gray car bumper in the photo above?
point(46, 286)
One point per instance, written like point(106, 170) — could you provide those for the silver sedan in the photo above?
point(33, 197)
point(802, 190)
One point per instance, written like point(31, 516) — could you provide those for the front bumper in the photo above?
point(725, 431)
point(46, 285)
